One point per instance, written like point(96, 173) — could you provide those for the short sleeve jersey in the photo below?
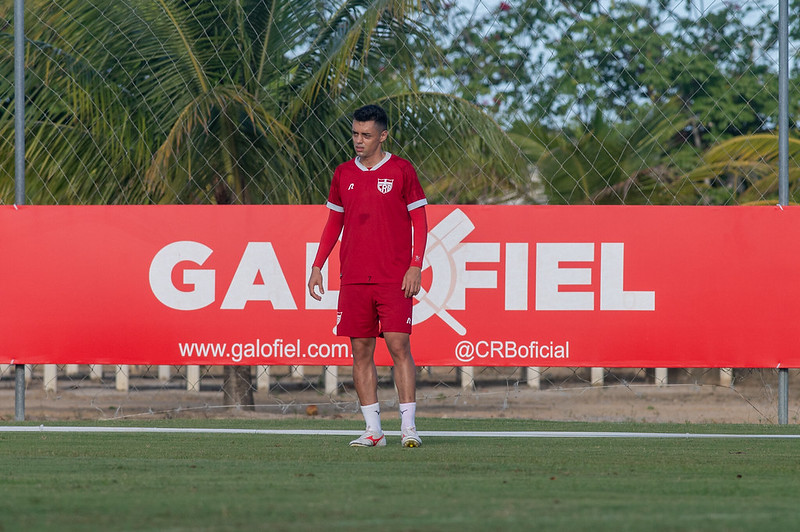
point(376, 240)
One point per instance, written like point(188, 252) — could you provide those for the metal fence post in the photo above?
point(19, 162)
point(783, 396)
point(783, 165)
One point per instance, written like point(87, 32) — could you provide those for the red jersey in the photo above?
point(376, 240)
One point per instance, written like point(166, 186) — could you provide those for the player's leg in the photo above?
point(365, 378)
point(365, 374)
point(394, 311)
point(405, 371)
point(358, 320)
point(405, 378)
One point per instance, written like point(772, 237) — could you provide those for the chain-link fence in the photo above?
point(688, 395)
point(534, 102)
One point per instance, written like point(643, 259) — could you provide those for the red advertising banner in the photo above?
point(588, 286)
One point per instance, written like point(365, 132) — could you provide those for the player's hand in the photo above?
point(412, 281)
point(314, 281)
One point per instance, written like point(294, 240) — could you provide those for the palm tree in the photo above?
point(604, 162)
point(744, 170)
point(220, 101)
point(82, 137)
point(223, 101)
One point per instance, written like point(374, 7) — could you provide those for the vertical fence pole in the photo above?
point(783, 103)
point(783, 396)
point(19, 101)
point(783, 165)
point(19, 163)
point(19, 392)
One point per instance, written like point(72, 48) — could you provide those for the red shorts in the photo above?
point(369, 310)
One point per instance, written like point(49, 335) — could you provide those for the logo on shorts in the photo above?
point(385, 185)
point(338, 319)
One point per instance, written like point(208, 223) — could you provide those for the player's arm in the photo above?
point(413, 277)
point(330, 234)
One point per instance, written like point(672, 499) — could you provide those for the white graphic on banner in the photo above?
point(330, 298)
point(563, 276)
point(612, 296)
point(202, 281)
point(550, 275)
point(447, 256)
point(258, 259)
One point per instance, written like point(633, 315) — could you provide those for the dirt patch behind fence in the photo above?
point(677, 403)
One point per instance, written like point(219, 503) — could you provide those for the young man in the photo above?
point(376, 199)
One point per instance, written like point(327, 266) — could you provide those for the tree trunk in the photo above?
point(237, 388)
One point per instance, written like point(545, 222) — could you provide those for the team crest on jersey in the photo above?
point(385, 185)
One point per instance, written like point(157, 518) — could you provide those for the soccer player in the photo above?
point(375, 200)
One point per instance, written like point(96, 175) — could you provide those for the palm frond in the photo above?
point(344, 44)
point(462, 154)
point(747, 166)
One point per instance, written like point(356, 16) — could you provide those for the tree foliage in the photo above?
point(561, 62)
point(606, 163)
point(223, 101)
point(247, 101)
point(744, 170)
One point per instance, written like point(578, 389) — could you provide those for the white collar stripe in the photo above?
point(386, 157)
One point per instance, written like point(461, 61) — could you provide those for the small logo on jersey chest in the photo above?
point(351, 186)
point(385, 185)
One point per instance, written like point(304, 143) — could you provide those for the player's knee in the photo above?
point(401, 354)
point(397, 344)
point(363, 357)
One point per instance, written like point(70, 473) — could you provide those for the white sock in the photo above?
point(372, 416)
point(407, 413)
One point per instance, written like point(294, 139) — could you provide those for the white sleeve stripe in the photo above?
point(334, 207)
point(417, 204)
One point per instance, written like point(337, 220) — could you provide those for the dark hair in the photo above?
point(370, 113)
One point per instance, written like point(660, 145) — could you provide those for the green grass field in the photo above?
point(121, 481)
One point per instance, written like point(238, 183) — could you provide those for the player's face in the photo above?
point(367, 140)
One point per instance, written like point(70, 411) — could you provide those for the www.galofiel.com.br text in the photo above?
point(278, 348)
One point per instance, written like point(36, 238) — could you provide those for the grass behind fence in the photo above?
point(148, 481)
